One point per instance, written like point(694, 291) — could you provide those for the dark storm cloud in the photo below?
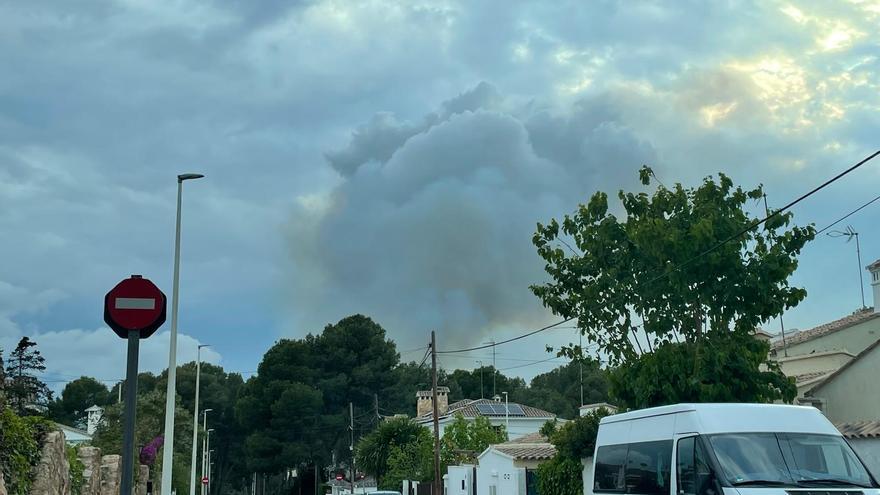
point(434, 230)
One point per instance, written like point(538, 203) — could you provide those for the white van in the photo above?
point(726, 449)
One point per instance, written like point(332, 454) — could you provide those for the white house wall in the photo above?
point(519, 427)
point(498, 470)
point(852, 394)
point(814, 363)
point(854, 339)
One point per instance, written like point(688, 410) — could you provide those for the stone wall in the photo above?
point(111, 467)
point(2, 485)
point(52, 474)
point(91, 459)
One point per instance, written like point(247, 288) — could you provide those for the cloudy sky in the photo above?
point(392, 158)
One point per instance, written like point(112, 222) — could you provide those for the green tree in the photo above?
point(559, 390)
point(574, 440)
point(677, 267)
point(411, 461)
point(730, 367)
point(301, 395)
point(465, 439)
point(666, 266)
point(77, 396)
point(373, 450)
point(24, 390)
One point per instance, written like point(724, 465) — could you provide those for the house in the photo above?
point(509, 468)
point(836, 366)
point(520, 419)
point(94, 415)
point(588, 408)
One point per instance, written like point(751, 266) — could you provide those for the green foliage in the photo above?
point(21, 441)
point(465, 439)
point(558, 391)
point(374, 449)
point(412, 461)
point(77, 396)
point(77, 480)
point(560, 476)
point(576, 439)
point(652, 264)
point(23, 389)
point(722, 367)
point(296, 409)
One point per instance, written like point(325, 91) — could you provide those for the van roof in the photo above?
point(709, 418)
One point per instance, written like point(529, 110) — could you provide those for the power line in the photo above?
point(687, 262)
point(528, 364)
point(832, 224)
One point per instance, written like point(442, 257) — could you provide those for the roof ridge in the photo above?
point(843, 323)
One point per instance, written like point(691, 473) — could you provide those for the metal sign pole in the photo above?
point(130, 412)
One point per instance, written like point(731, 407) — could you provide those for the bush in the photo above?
point(76, 471)
point(21, 442)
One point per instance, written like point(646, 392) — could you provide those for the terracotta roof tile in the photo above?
point(831, 327)
point(860, 429)
point(532, 452)
point(805, 377)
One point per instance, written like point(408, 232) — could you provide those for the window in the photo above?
point(493, 490)
point(794, 459)
point(609, 469)
point(638, 468)
point(694, 474)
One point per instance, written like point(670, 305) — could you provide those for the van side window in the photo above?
point(694, 474)
point(648, 468)
point(609, 469)
point(637, 468)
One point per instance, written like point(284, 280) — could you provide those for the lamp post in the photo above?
point(204, 447)
point(171, 390)
point(481, 379)
point(192, 476)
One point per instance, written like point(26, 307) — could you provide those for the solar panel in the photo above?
point(486, 409)
point(516, 410)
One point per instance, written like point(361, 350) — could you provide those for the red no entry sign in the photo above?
point(204, 480)
point(135, 304)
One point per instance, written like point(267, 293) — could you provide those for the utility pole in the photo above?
point(437, 480)
point(351, 446)
point(481, 379)
point(376, 403)
point(492, 343)
point(781, 322)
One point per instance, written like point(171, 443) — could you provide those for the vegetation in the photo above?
point(373, 450)
point(464, 439)
point(574, 440)
point(21, 441)
point(77, 396)
point(681, 279)
point(25, 392)
point(77, 468)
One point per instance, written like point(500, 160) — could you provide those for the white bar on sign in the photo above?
point(135, 303)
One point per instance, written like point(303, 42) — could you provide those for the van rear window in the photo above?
point(638, 468)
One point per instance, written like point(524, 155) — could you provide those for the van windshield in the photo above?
point(788, 458)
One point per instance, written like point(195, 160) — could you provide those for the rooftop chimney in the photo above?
point(425, 401)
point(874, 270)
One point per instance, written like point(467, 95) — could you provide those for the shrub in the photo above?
point(21, 442)
point(76, 471)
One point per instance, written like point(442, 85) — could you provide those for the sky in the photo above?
point(393, 158)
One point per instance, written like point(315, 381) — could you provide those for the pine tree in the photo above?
point(2, 381)
point(24, 391)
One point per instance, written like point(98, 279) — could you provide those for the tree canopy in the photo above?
point(24, 390)
point(76, 397)
point(679, 263)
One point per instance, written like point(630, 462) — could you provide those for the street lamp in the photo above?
point(192, 475)
point(481, 379)
point(171, 390)
point(205, 446)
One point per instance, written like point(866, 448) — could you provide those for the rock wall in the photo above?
point(91, 459)
point(2, 485)
point(111, 467)
point(142, 477)
point(52, 474)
